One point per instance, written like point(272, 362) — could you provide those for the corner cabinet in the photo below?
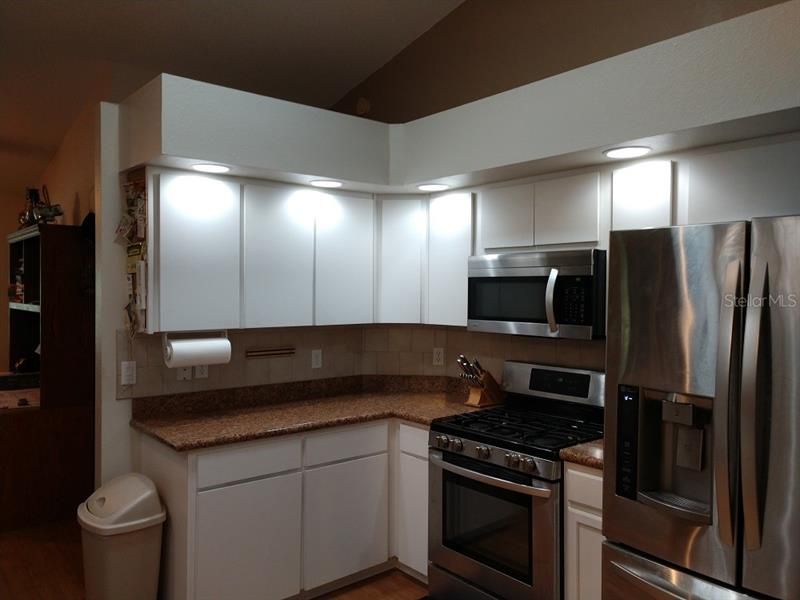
point(400, 259)
point(198, 250)
point(583, 532)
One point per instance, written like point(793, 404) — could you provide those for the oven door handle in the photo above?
point(528, 490)
point(549, 294)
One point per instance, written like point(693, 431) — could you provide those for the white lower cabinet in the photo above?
point(411, 518)
point(345, 519)
point(583, 532)
point(270, 519)
point(248, 540)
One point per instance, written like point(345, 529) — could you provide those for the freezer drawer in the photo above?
point(627, 575)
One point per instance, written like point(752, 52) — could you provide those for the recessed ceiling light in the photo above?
point(203, 168)
point(326, 183)
point(432, 187)
point(627, 151)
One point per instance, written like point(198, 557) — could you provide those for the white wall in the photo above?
point(734, 69)
point(214, 123)
point(112, 435)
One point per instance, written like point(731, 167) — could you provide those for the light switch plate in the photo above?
point(438, 357)
point(184, 373)
point(127, 372)
point(316, 359)
point(201, 372)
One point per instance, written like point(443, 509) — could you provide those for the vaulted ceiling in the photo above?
point(57, 57)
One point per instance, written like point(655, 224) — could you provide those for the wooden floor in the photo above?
point(42, 563)
point(393, 585)
point(45, 563)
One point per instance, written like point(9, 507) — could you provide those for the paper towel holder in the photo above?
point(165, 349)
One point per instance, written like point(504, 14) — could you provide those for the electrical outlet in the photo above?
point(438, 357)
point(316, 359)
point(184, 373)
point(201, 372)
point(127, 372)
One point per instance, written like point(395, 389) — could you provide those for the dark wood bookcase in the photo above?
point(47, 451)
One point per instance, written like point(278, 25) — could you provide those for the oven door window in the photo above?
point(489, 525)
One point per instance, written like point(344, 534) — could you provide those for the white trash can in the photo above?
point(121, 533)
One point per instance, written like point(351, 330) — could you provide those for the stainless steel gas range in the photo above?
point(495, 486)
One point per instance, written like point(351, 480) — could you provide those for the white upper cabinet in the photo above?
point(278, 257)
point(449, 248)
point(567, 210)
point(507, 216)
point(345, 226)
point(402, 237)
point(641, 195)
point(742, 183)
point(198, 247)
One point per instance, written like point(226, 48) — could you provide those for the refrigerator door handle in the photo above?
point(759, 291)
point(549, 294)
point(723, 459)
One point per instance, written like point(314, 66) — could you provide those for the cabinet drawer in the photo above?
point(247, 461)
point(584, 486)
point(343, 443)
point(414, 440)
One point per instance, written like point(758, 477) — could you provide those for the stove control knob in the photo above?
point(456, 445)
point(483, 452)
point(528, 464)
point(442, 441)
point(512, 460)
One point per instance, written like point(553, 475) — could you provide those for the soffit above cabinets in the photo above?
point(731, 81)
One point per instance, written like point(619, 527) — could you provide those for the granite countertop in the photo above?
point(589, 454)
point(192, 431)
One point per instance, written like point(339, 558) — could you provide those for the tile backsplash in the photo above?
point(347, 350)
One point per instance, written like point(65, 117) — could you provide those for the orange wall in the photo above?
point(69, 176)
point(486, 46)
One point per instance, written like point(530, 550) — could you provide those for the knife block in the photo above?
point(488, 394)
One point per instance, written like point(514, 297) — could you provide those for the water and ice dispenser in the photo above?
point(664, 446)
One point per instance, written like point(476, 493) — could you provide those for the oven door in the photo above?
point(497, 529)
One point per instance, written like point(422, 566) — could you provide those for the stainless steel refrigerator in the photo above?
point(701, 494)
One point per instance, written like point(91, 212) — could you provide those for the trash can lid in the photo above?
point(123, 504)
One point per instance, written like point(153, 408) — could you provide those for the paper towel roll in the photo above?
point(203, 351)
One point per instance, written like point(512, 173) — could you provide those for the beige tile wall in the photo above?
point(358, 350)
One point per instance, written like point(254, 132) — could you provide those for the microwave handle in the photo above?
point(528, 490)
point(548, 300)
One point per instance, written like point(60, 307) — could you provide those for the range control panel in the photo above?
point(627, 440)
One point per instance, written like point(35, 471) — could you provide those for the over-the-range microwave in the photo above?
point(548, 294)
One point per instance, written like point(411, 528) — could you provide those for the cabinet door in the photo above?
point(198, 252)
point(344, 275)
point(412, 513)
point(449, 247)
point(507, 216)
point(583, 533)
point(345, 519)
point(566, 210)
point(641, 195)
point(584, 548)
point(402, 233)
point(248, 540)
point(278, 256)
